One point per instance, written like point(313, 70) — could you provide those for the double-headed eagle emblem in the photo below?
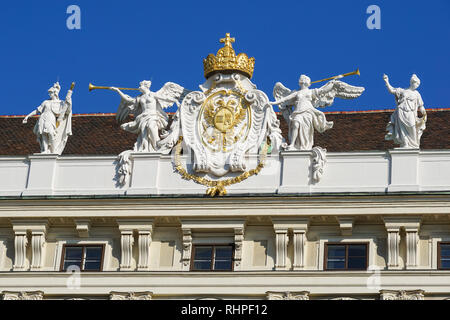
point(222, 120)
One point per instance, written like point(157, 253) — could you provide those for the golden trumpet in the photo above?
point(345, 75)
point(92, 87)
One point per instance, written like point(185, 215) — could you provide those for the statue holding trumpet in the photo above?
point(299, 107)
point(150, 119)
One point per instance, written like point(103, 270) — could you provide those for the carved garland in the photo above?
point(218, 187)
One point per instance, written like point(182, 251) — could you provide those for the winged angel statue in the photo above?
point(299, 108)
point(150, 120)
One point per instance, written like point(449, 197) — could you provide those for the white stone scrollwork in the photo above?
point(304, 117)
point(238, 239)
point(300, 295)
point(318, 163)
point(126, 244)
point(37, 248)
point(393, 247)
point(405, 126)
point(187, 247)
point(124, 168)
point(20, 248)
point(402, 295)
point(281, 239)
point(144, 240)
point(22, 295)
point(299, 249)
point(412, 241)
point(115, 295)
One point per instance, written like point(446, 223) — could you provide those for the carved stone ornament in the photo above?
point(22, 295)
point(300, 295)
point(402, 295)
point(115, 295)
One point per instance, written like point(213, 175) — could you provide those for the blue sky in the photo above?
point(123, 42)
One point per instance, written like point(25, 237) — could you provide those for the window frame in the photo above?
point(439, 256)
point(214, 245)
point(83, 255)
point(346, 244)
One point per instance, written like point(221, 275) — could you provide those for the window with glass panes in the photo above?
point(212, 258)
point(444, 255)
point(85, 257)
point(345, 256)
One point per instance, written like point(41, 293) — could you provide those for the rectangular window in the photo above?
point(85, 257)
point(212, 258)
point(345, 256)
point(444, 255)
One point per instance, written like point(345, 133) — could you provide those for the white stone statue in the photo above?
point(405, 126)
point(55, 121)
point(304, 117)
point(149, 117)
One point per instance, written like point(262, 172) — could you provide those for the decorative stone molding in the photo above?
point(144, 229)
point(238, 239)
point(83, 226)
point(144, 240)
point(37, 249)
point(22, 295)
point(299, 228)
point(411, 225)
point(295, 295)
point(126, 245)
point(115, 295)
point(402, 295)
point(38, 231)
point(20, 249)
point(187, 248)
point(346, 225)
point(281, 248)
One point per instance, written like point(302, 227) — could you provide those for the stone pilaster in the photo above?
point(187, 248)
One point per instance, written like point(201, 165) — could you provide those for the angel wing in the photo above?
point(279, 92)
point(169, 94)
point(325, 96)
point(126, 107)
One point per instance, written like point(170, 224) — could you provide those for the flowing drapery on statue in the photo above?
point(299, 108)
point(405, 126)
point(54, 125)
point(149, 116)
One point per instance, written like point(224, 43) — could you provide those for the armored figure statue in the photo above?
point(405, 126)
point(55, 121)
point(304, 117)
point(149, 117)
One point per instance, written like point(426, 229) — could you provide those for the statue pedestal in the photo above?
point(296, 172)
point(41, 174)
point(404, 170)
point(144, 177)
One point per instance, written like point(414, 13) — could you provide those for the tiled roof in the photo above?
point(100, 134)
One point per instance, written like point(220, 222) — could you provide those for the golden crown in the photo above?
point(226, 60)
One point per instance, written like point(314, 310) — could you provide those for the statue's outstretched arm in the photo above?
point(390, 88)
point(287, 98)
point(122, 95)
point(32, 113)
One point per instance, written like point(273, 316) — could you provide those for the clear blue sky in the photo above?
point(123, 42)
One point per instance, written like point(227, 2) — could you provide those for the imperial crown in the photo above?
point(226, 60)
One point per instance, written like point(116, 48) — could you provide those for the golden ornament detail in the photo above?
point(218, 187)
point(226, 60)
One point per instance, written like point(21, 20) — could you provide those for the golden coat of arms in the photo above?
point(229, 119)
